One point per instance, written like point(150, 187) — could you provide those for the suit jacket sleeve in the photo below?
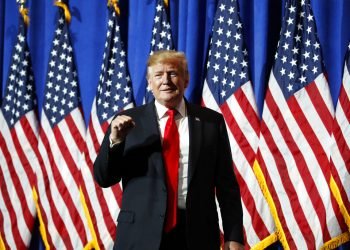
point(227, 191)
point(109, 163)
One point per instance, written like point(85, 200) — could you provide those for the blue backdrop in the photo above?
point(191, 22)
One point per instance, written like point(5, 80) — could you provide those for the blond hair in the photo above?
point(169, 57)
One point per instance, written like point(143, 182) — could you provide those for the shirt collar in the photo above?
point(161, 109)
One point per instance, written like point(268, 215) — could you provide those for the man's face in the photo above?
point(167, 83)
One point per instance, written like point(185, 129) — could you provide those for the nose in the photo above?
point(166, 78)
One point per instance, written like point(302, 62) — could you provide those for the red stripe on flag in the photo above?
point(7, 201)
point(273, 192)
point(300, 163)
point(56, 217)
point(94, 138)
point(107, 218)
point(341, 187)
point(257, 222)
point(248, 110)
point(75, 173)
point(238, 134)
point(21, 193)
point(344, 101)
point(66, 154)
point(72, 126)
point(320, 105)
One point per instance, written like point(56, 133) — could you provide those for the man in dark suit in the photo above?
point(151, 149)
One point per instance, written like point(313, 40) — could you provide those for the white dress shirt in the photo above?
point(181, 120)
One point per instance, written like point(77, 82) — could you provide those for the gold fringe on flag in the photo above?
point(336, 241)
point(64, 6)
point(24, 14)
point(114, 4)
point(263, 185)
point(336, 193)
point(269, 240)
point(93, 244)
point(2, 244)
point(41, 221)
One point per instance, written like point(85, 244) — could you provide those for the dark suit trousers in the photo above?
point(176, 238)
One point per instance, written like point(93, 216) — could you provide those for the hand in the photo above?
point(232, 245)
point(120, 127)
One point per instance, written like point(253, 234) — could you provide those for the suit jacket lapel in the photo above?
point(195, 134)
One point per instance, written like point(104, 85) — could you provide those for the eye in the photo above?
point(173, 74)
point(158, 76)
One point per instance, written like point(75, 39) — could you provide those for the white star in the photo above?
point(308, 30)
point(293, 62)
point(242, 75)
point(304, 67)
point(291, 75)
point(218, 43)
point(287, 34)
point(284, 59)
point(295, 50)
point(244, 63)
point(283, 71)
point(302, 79)
point(222, 7)
point(223, 93)
point(220, 31)
point(310, 17)
point(292, 9)
point(156, 19)
point(307, 43)
point(237, 36)
point(306, 54)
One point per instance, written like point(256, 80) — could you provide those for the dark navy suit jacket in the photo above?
point(138, 163)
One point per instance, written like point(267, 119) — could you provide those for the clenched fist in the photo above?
point(120, 127)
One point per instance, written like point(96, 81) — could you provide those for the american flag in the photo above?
point(18, 148)
point(114, 93)
point(61, 144)
point(161, 37)
point(295, 137)
point(340, 152)
point(228, 90)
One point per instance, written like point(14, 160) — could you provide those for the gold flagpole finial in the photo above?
point(114, 3)
point(24, 12)
point(63, 5)
point(166, 3)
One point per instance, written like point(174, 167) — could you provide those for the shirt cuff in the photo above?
point(112, 144)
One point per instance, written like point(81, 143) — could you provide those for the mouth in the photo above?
point(168, 90)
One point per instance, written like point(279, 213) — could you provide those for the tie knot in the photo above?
point(171, 112)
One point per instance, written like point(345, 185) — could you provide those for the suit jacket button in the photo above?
point(162, 215)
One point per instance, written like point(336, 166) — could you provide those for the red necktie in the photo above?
point(171, 153)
